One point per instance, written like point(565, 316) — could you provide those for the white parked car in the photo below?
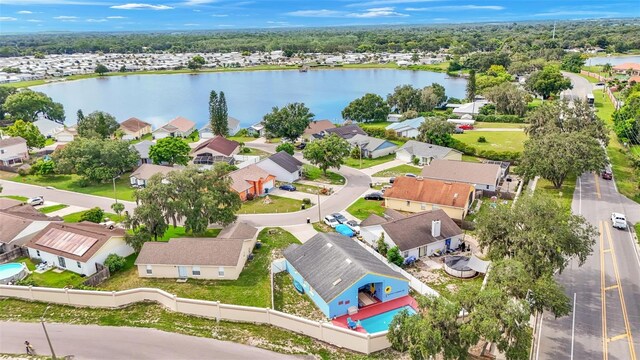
point(353, 225)
point(618, 221)
point(331, 221)
point(35, 201)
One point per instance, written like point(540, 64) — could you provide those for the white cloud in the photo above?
point(225, 25)
point(387, 2)
point(65, 17)
point(116, 17)
point(377, 12)
point(139, 6)
point(24, 12)
point(369, 13)
point(191, 24)
point(457, 8)
point(577, 13)
point(198, 2)
point(7, 18)
point(96, 20)
point(316, 13)
point(219, 15)
point(34, 21)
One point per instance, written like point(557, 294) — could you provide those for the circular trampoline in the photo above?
point(457, 266)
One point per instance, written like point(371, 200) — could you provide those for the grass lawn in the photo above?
point(313, 173)
point(124, 190)
point(310, 189)
point(49, 141)
point(564, 195)
point(143, 137)
point(367, 163)
point(16, 197)
point(75, 217)
point(486, 206)
point(51, 278)
point(363, 208)
point(154, 316)
point(497, 125)
point(444, 283)
point(278, 205)
point(469, 158)
point(255, 152)
point(496, 140)
point(179, 232)
point(398, 171)
point(252, 288)
point(322, 227)
point(52, 208)
point(242, 139)
point(376, 125)
point(287, 299)
point(637, 228)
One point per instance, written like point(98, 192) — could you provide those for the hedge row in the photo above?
point(500, 118)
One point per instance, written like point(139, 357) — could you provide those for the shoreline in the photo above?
point(440, 68)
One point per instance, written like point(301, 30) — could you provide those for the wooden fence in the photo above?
point(100, 276)
point(13, 254)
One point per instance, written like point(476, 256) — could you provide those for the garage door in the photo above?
point(65, 138)
point(268, 186)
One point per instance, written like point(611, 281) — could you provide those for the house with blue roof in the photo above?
point(340, 276)
point(407, 128)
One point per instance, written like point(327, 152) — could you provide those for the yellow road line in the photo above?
point(611, 287)
point(605, 352)
point(595, 177)
point(632, 350)
point(606, 250)
point(618, 337)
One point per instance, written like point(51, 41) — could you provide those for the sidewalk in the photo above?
point(374, 169)
point(302, 232)
point(299, 195)
point(68, 210)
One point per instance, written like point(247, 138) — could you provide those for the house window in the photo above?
point(38, 253)
point(405, 254)
point(195, 270)
point(149, 270)
point(221, 271)
point(408, 203)
point(487, 187)
point(1, 151)
point(62, 262)
point(78, 263)
point(340, 302)
point(346, 302)
point(423, 207)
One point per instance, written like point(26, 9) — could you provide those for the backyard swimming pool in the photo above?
point(381, 322)
point(12, 272)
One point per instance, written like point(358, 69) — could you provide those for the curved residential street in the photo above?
point(106, 342)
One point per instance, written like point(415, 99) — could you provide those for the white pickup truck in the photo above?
point(618, 221)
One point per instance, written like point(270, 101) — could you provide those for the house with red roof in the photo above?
point(251, 181)
point(134, 128)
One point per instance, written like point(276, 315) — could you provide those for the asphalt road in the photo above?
point(581, 87)
point(103, 342)
point(605, 322)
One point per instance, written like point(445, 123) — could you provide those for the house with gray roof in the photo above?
point(219, 258)
point(371, 147)
point(283, 166)
point(143, 150)
point(407, 128)
point(233, 125)
point(340, 276)
point(19, 223)
point(425, 153)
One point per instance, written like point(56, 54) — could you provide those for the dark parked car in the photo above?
point(341, 218)
point(458, 130)
point(606, 174)
point(374, 196)
point(391, 180)
point(301, 146)
point(287, 187)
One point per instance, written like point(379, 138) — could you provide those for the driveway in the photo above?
point(105, 342)
point(581, 87)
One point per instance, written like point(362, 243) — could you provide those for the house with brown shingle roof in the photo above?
point(178, 127)
point(134, 128)
point(316, 127)
point(483, 176)
point(19, 223)
point(144, 172)
point(420, 194)
point(78, 247)
point(219, 258)
point(251, 181)
point(217, 146)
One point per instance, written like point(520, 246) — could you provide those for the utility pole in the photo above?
point(553, 37)
point(319, 213)
point(46, 334)
point(115, 197)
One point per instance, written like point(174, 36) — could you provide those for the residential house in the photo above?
point(632, 68)
point(219, 258)
point(178, 127)
point(340, 276)
point(134, 128)
point(346, 132)
point(143, 148)
point(68, 134)
point(78, 247)
point(317, 127)
point(13, 151)
point(416, 235)
point(283, 166)
point(371, 147)
point(251, 181)
point(394, 117)
point(471, 108)
point(407, 128)
point(484, 177)
point(215, 150)
point(233, 125)
point(48, 128)
point(257, 129)
point(425, 153)
point(419, 194)
point(144, 172)
point(20, 222)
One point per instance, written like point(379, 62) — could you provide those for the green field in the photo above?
point(367, 163)
point(75, 217)
point(51, 278)
point(314, 173)
point(363, 208)
point(52, 208)
point(70, 183)
point(278, 205)
point(496, 140)
point(179, 232)
point(497, 125)
point(564, 195)
point(16, 197)
point(398, 171)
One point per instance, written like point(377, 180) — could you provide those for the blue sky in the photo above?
point(140, 15)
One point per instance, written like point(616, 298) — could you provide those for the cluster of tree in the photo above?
point(196, 63)
point(565, 140)
point(97, 125)
point(508, 99)
point(437, 131)
point(530, 39)
point(195, 198)
point(171, 151)
point(494, 76)
point(218, 113)
point(626, 120)
point(369, 108)
point(547, 82)
point(288, 122)
point(521, 283)
point(407, 98)
point(29, 105)
point(572, 62)
point(27, 131)
point(326, 153)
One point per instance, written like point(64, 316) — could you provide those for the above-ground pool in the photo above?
point(12, 272)
point(381, 322)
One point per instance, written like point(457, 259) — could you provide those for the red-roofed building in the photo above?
point(623, 68)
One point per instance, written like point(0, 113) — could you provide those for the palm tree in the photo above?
point(607, 68)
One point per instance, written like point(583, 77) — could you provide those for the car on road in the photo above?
point(353, 225)
point(374, 196)
point(287, 187)
point(301, 146)
point(340, 218)
point(466, 127)
point(331, 221)
point(36, 200)
point(606, 174)
point(618, 221)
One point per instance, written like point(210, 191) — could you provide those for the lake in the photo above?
point(613, 60)
point(250, 94)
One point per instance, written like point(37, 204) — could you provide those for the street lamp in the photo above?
point(46, 334)
point(114, 188)
point(319, 213)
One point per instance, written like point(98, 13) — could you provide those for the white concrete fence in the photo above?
point(323, 331)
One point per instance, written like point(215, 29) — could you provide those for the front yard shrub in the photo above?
point(115, 263)
point(482, 139)
point(394, 256)
point(94, 215)
point(306, 201)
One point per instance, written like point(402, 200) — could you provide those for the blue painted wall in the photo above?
point(340, 305)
